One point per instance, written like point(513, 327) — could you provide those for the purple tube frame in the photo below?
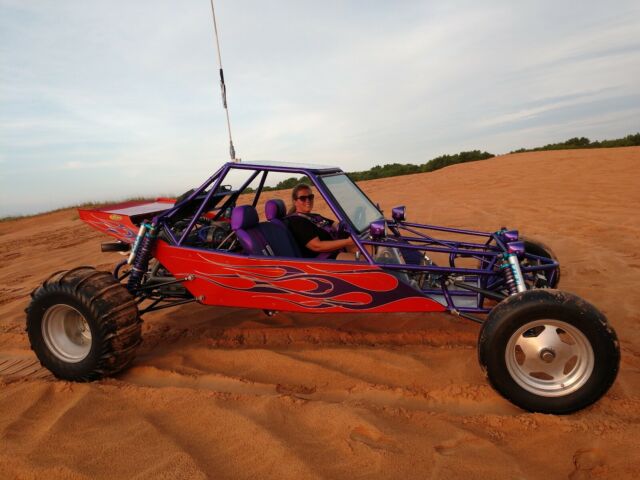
point(488, 253)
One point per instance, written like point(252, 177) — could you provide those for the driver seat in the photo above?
point(275, 210)
point(261, 238)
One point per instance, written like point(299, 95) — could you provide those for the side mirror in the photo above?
point(399, 213)
point(378, 229)
point(508, 235)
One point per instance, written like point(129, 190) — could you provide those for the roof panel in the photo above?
point(285, 166)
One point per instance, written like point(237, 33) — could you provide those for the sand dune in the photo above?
point(231, 393)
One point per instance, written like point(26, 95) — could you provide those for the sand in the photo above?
point(231, 393)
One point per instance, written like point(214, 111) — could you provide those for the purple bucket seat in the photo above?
point(275, 211)
point(262, 238)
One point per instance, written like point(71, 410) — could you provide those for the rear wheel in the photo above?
point(83, 324)
point(548, 351)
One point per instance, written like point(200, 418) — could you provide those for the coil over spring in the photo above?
point(509, 278)
point(141, 256)
point(512, 274)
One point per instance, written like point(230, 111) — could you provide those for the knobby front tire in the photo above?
point(548, 351)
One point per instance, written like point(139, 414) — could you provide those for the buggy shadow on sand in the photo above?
point(543, 349)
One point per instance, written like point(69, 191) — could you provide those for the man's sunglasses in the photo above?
point(304, 198)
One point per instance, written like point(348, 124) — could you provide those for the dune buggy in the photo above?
point(543, 349)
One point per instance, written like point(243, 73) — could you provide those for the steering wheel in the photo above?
point(343, 230)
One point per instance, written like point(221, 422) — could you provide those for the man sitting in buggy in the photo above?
point(315, 234)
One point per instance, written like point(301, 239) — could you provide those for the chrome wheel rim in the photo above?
point(66, 333)
point(549, 358)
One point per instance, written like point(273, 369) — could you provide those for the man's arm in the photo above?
point(319, 246)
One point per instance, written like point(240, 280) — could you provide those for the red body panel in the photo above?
point(304, 285)
point(270, 283)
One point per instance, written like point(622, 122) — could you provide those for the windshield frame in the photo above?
point(359, 194)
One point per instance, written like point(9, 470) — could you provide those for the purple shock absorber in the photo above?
point(141, 261)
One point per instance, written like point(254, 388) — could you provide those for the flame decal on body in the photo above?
point(119, 230)
point(325, 288)
point(288, 284)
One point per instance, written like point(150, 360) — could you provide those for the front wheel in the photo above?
point(548, 351)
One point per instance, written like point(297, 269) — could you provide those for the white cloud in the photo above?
point(529, 113)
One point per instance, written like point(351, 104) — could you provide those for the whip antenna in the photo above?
point(223, 87)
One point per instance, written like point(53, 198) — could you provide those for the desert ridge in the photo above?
point(232, 393)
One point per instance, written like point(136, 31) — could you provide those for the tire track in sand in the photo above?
point(20, 365)
point(462, 398)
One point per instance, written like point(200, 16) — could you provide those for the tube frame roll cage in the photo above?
point(503, 264)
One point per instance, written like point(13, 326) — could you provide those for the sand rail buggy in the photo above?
point(543, 349)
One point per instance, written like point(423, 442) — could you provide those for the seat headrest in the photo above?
point(244, 217)
point(275, 209)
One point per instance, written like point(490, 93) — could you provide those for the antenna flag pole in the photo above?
point(223, 87)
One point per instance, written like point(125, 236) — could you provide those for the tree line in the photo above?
point(397, 169)
point(584, 142)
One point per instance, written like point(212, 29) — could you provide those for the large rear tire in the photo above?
point(83, 325)
point(548, 351)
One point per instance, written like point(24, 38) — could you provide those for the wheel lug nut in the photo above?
point(547, 355)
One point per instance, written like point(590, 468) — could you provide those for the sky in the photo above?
point(111, 100)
